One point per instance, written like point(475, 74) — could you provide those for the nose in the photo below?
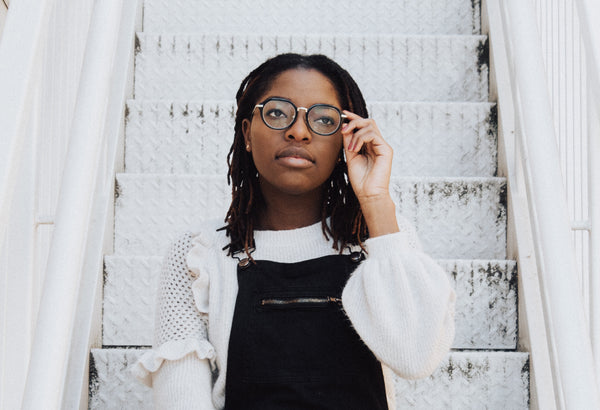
point(299, 130)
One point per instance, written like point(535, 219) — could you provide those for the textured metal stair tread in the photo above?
point(412, 16)
point(464, 380)
point(486, 310)
point(388, 67)
point(455, 217)
point(428, 138)
point(303, 35)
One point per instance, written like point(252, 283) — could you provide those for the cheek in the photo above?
point(261, 155)
point(337, 146)
point(333, 153)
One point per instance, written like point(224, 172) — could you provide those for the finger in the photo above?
point(351, 115)
point(359, 129)
point(346, 140)
point(369, 136)
point(359, 139)
point(354, 121)
point(357, 124)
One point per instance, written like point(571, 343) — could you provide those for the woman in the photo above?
point(315, 290)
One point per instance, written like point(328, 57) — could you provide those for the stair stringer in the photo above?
point(520, 247)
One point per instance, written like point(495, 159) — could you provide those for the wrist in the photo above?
point(380, 215)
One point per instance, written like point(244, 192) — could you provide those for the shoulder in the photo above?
point(202, 240)
point(204, 247)
point(208, 233)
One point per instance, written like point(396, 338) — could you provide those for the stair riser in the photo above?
point(277, 17)
point(455, 218)
point(469, 380)
point(387, 68)
point(194, 137)
point(486, 311)
point(464, 380)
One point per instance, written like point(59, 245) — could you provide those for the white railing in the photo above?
point(536, 161)
point(74, 268)
point(24, 99)
point(571, 48)
point(99, 79)
point(590, 16)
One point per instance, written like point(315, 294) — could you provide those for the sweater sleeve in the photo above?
point(179, 366)
point(401, 304)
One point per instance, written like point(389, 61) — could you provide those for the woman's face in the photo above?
point(296, 160)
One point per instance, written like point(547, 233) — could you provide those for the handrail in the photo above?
point(533, 336)
point(19, 61)
point(87, 145)
point(40, 61)
point(563, 306)
point(87, 329)
point(589, 15)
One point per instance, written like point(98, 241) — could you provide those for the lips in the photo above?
point(294, 152)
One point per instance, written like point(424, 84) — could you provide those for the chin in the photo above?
point(293, 185)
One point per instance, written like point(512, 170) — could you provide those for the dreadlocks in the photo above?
point(347, 224)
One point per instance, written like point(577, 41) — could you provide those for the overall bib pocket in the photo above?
point(295, 336)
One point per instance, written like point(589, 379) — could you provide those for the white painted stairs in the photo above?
point(423, 68)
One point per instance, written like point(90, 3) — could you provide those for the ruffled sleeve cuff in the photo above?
point(172, 350)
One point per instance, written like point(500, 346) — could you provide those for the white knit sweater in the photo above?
point(398, 299)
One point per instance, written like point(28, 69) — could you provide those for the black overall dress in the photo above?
point(291, 344)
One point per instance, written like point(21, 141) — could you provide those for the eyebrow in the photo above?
point(288, 99)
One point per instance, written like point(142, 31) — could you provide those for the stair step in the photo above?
point(470, 380)
point(387, 68)
point(429, 139)
point(457, 218)
point(464, 380)
point(486, 311)
point(406, 17)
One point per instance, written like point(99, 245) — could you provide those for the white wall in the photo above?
point(3, 11)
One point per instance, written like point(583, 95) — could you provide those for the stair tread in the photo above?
point(429, 139)
point(464, 380)
point(486, 311)
point(391, 67)
point(455, 217)
point(413, 16)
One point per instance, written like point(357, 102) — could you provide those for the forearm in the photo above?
point(380, 215)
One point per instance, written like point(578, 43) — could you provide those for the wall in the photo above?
point(3, 11)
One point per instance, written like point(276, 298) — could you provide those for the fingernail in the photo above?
point(344, 127)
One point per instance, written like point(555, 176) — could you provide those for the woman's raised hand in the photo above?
point(369, 159)
point(369, 170)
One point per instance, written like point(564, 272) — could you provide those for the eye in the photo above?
point(276, 113)
point(324, 120)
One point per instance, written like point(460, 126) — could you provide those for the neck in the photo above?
point(283, 211)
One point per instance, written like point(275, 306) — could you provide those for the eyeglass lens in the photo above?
point(322, 119)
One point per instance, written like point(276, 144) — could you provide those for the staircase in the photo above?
point(423, 68)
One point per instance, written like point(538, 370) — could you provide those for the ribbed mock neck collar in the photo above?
point(292, 245)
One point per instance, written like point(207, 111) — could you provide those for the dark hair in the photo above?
point(339, 201)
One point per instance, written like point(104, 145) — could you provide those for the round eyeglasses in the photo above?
point(280, 114)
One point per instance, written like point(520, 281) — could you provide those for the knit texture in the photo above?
point(399, 301)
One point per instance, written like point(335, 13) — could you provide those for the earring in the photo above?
point(248, 147)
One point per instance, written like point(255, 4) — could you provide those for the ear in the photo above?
point(246, 132)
